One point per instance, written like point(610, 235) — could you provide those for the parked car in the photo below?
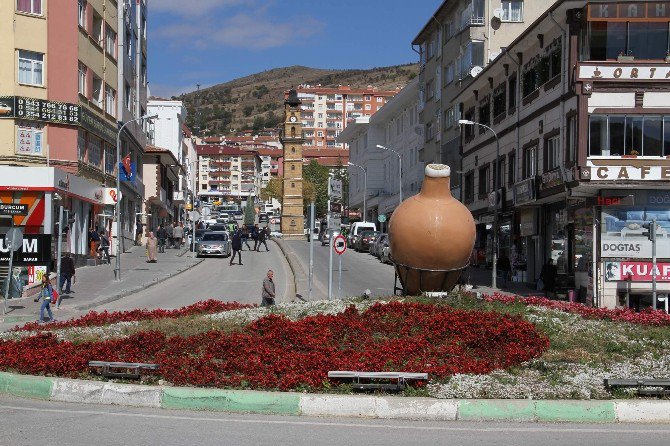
point(377, 245)
point(214, 244)
point(363, 242)
point(198, 236)
point(385, 256)
point(263, 218)
point(355, 231)
point(327, 236)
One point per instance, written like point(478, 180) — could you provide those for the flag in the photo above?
point(126, 165)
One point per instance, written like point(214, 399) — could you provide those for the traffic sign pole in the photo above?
point(339, 279)
point(339, 246)
point(331, 244)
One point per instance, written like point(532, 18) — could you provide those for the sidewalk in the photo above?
point(95, 285)
point(480, 279)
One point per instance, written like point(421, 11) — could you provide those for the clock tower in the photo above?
point(292, 218)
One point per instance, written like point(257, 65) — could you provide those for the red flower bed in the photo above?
point(94, 319)
point(645, 317)
point(274, 352)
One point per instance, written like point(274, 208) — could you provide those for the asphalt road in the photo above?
point(360, 271)
point(213, 279)
point(32, 422)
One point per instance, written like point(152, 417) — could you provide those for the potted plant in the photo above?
point(632, 154)
point(626, 56)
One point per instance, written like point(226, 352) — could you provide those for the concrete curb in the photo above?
point(127, 292)
point(321, 405)
point(292, 291)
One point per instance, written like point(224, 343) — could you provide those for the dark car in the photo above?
point(363, 242)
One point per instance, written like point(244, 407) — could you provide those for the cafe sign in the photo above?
point(633, 173)
point(624, 72)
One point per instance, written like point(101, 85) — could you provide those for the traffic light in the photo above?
point(650, 230)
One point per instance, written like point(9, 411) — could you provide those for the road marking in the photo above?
point(559, 429)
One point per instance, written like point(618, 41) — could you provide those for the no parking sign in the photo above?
point(340, 244)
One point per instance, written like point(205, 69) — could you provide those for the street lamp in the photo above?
point(379, 146)
point(365, 189)
point(117, 206)
point(496, 187)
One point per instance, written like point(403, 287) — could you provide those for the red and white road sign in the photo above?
point(340, 244)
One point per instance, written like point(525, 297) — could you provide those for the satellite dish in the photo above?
point(493, 55)
point(474, 71)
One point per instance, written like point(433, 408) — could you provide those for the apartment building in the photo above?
point(394, 127)
point(326, 111)
point(227, 173)
point(584, 150)
point(161, 171)
point(458, 40)
point(58, 84)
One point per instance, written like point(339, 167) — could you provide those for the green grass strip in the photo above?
point(231, 401)
point(26, 386)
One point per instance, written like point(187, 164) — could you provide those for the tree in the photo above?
point(317, 175)
point(274, 189)
point(249, 211)
point(248, 109)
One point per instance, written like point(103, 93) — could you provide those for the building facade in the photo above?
point(326, 111)
point(227, 173)
point(460, 39)
point(579, 103)
point(162, 173)
point(393, 126)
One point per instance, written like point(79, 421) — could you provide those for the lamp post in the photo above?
point(496, 187)
point(117, 206)
point(365, 189)
point(379, 146)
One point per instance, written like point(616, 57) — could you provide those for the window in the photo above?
point(529, 162)
point(81, 145)
point(110, 100)
point(448, 74)
point(110, 41)
point(511, 84)
point(552, 152)
point(473, 55)
point(571, 139)
point(430, 90)
point(511, 168)
point(512, 10)
point(380, 99)
point(94, 150)
point(607, 40)
point(469, 186)
point(31, 68)
point(617, 135)
point(110, 159)
point(499, 101)
point(82, 78)
point(29, 138)
point(82, 13)
point(128, 97)
point(29, 6)
point(469, 131)
point(96, 32)
point(128, 42)
point(96, 91)
point(144, 70)
point(449, 118)
point(430, 132)
point(449, 30)
point(484, 115)
point(484, 180)
point(368, 97)
point(203, 186)
point(368, 107)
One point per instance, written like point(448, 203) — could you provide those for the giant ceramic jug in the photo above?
point(431, 235)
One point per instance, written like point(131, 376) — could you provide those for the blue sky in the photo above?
point(214, 41)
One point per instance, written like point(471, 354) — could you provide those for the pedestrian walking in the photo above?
point(254, 235)
point(46, 293)
point(548, 277)
point(162, 237)
point(170, 235)
point(268, 294)
point(178, 234)
point(504, 267)
point(236, 244)
point(94, 242)
point(104, 247)
point(262, 236)
point(152, 247)
point(15, 285)
point(245, 237)
point(67, 273)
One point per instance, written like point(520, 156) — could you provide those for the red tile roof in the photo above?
point(217, 149)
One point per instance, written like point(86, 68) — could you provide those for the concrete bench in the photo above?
point(124, 370)
point(645, 387)
point(370, 380)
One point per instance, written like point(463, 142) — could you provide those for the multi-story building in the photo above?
point(227, 173)
point(58, 93)
point(580, 102)
point(326, 111)
point(394, 127)
point(161, 171)
point(132, 101)
point(458, 40)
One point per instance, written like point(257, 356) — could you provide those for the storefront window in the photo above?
point(583, 239)
point(641, 40)
point(618, 135)
point(647, 40)
point(607, 40)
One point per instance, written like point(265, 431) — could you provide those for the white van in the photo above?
point(357, 228)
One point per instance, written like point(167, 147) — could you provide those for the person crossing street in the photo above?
point(262, 237)
point(236, 244)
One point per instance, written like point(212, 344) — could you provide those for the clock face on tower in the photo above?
point(293, 119)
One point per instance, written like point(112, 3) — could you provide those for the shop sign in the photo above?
point(94, 124)
point(39, 110)
point(636, 271)
point(78, 186)
point(524, 191)
point(496, 199)
point(633, 173)
point(647, 11)
point(13, 209)
point(551, 179)
point(36, 248)
point(528, 222)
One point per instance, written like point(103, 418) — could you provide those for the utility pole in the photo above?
point(311, 247)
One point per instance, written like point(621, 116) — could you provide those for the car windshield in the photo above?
point(215, 237)
point(369, 233)
point(200, 232)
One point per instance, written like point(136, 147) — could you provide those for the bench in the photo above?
point(124, 370)
point(645, 387)
point(370, 379)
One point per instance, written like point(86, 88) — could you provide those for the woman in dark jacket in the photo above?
point(236, 244)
